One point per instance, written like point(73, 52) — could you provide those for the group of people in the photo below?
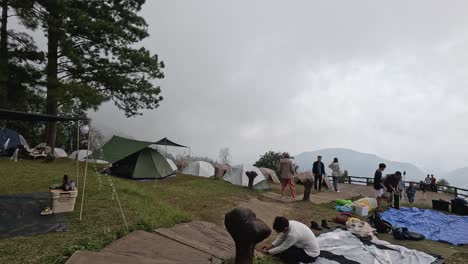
point(287, 171)
point(429, 184)
point(391, 186)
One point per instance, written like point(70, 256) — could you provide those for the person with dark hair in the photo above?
point(378, 184)
point(336, 173)
point(423, 188)
point(286, 168)
point(411, 192)
point(318, 169)
point(392, 183)
point(427, 181)
point(295, 244)
point(433, 183)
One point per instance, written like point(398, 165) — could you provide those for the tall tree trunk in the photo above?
point(53, 24)
point(4, 56)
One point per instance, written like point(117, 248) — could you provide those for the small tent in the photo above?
point(60, 153)
point(147, 163)
point(82, 153)
point(199, 168)
point(10, 140)
point(236, 175)
point(172, 164)
point(133, 159)
point(270, 174)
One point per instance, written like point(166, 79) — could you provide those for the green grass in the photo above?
point(146, 206)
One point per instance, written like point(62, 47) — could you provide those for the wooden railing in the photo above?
point(455, 191)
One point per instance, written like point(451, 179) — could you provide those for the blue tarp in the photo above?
point(433, 225)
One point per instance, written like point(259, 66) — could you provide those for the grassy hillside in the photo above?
point(146, 207)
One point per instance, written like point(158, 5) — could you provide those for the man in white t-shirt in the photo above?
point(295, 244)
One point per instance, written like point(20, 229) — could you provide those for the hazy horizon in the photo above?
point(387, 78)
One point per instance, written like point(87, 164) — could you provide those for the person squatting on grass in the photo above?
point(318, 169)
point(411, 192)
point(296, 243)
point(378, 184)
point(286, 168)
point(336, 173)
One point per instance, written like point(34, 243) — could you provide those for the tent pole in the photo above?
point(86, 169)
point(77, 151)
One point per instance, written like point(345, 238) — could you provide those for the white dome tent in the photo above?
point(236, 175)
point(82, 154)
point(60, 153)
point(199, 168)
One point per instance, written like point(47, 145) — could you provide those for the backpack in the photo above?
point(376, 221)
point(398, 233)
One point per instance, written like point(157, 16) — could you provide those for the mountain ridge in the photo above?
point(357, 163)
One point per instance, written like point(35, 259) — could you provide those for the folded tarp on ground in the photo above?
point(340, 246)
point(433, 225)
point(20, 215)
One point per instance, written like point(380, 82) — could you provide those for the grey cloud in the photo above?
point(387, 78)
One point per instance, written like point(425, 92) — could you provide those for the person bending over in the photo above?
point(392, 183)
point(295, 244)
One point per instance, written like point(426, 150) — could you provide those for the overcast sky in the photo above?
point(388, 78)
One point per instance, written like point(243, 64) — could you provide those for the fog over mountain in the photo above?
point(458, 177)
point(357, 163)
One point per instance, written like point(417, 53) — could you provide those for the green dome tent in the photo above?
point(133, 159)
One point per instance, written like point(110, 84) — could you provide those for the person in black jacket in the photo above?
point(318, 169)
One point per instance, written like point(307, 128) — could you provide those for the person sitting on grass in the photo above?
point(411, 192)
point(295, 244)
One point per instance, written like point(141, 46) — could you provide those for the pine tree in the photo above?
point(91, 58)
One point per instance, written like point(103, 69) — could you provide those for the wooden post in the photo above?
point(307, 188)
point(349, 179)
point(247, 231)
point(455, 192)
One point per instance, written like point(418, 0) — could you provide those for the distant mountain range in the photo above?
point(458, 177)
point(356, 163)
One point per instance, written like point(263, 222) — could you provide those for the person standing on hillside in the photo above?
point(427, 181)
point(318, 169)
point(433, 183)
point(336, 173)
point(378, 184)
point(286, 169)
